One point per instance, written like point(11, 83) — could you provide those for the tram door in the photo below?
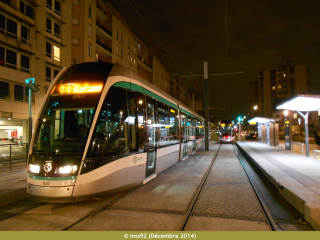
point(151, 138)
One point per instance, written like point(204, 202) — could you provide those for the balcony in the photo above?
point(102, 46)
point(103, 31)
point(144, 63)
point(101, 12)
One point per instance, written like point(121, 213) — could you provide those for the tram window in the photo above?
point(111, 133)
point(189, 127)
point(174, 125)
point(164, 124)
point(184, 127)
point(131, 120)
point(142, 137)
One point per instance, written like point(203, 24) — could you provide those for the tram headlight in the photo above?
point(67, 169)
point(34, 168)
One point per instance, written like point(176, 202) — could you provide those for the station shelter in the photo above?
point(268, 130)
point(303, 103)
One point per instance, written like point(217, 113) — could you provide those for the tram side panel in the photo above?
point(167, 157)
point(121, 174)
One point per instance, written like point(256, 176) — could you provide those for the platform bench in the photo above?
point(315, 151)
point(297, 143)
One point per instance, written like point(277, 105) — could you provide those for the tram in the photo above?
point(104, 129)
point(226, 131)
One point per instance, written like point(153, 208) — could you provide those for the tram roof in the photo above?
point(302, 102)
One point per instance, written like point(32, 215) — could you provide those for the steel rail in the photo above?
point(196, 195)
point(269, 216)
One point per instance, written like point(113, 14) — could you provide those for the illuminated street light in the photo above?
point(255, 107)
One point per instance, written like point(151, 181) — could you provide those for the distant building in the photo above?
point(39, 38)
point(280, 83)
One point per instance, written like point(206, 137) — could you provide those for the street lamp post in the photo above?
point(30, 82)
point(239, 119)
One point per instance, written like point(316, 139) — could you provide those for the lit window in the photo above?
point(279, 87)
point(56, 53)
point(284, 75)
point(273, 87)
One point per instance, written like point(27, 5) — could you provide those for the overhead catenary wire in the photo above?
point(154, 34)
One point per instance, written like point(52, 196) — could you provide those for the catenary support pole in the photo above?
point(206, 105)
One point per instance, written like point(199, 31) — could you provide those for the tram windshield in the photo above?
point(65, 123)
point(67, 116)
point(226, 128)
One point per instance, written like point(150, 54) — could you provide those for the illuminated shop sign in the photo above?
point(79, 88)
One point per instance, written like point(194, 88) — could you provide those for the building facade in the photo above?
point(283, 82)
point(39, 38)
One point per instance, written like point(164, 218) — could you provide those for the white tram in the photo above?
point(226, 131)
point(103, 129)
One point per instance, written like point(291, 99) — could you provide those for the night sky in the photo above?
point(252, 35)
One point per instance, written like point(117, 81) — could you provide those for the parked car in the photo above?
point(252, 136)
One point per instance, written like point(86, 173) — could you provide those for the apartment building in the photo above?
point(283, 82)
point(39, 38)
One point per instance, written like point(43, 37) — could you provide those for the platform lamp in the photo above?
point(31, 84)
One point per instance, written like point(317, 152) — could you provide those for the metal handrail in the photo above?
point(11, 159)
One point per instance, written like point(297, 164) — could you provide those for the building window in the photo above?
point(117, 34)
point(25, 34)
point(24, 64)
point(75, 61)
point(56, 51)
point(11, 59)
point(90, 11)
point(117, 50)
point(4, 90)
point(75, 41)
point(49, 26)
point(12, 27)
point(75, 2)
point(57, 30)
point(48, 74)
point(273, 87)
point(48, 50)
point(121, 40)
point(8, 2)
point(121, 53)
point(54, 6)
point(89, 30)
point(53, 28)
point(51, 73)
point(27, 9)
point(75, 21)
point(90, 49)
point(279, 87)
point(97, 57)
point(55, 73)
point(21, 93)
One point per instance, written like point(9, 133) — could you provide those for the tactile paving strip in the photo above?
point(227, 192)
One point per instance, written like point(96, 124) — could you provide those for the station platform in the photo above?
point(296, 176)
